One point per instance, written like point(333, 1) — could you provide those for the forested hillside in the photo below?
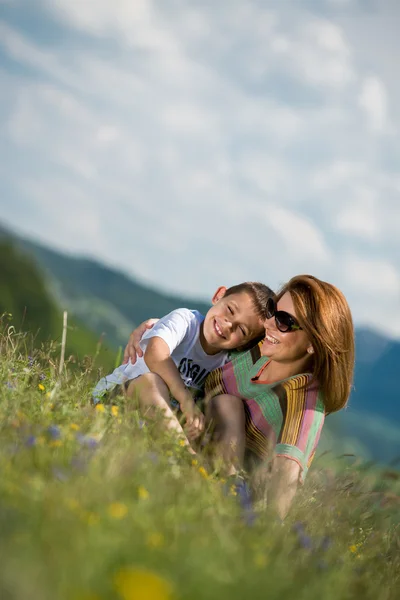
point(26, 304)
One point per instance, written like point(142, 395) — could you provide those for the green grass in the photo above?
point(95, 505)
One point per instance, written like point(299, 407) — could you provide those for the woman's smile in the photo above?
point(270, 339)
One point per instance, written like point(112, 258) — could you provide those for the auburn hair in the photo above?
point(324, 314)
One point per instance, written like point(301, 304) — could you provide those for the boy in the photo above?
point(183, 347)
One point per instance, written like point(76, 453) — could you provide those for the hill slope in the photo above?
point(23, 295)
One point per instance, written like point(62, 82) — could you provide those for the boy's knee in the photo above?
point(148, 387)
point(152, 381)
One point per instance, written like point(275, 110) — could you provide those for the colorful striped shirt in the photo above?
point(283, 418)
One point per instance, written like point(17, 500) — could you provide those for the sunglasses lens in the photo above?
point(270, 308)
point(282, 323)
point(285, 322)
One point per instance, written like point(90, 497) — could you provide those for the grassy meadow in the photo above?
point(94, 505)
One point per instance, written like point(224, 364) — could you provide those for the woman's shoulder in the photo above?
point(303, 390)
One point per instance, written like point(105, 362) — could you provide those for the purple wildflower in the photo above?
point(31, 361)
point(153, 457)
point(305, 541)
point(298, 527)
point(11, 386)
point(30, 441)
point(86, 440)
point(59, 474)
point(54, 432)
point(325, 544)
point(42, 377)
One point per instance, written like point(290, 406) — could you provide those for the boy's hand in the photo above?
point(194, 418)
point(133, 349)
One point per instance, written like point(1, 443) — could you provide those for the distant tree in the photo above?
point(23, 294)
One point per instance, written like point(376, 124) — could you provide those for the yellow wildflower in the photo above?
point(74, 427)
point(114, 410)
point(233, 490)
point(155, 540)
point(260, 560)
point(135, 583)
point(48, 394)
point(203, 472)
point(354, 548)
point(92, 518)
point(195, 462)
point(100, 408)
point(182, 443)
point(40, 440)
point(55, 443)
point(117, 510)
point(41, 387)
point(143, 493)
point(72, 503)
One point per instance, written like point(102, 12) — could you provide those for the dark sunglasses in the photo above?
point(283, 320)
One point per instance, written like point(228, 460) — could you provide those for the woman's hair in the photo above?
point(325, 317)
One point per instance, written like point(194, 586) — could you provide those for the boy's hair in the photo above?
point(258, 292)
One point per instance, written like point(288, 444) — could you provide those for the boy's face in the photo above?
point(232, 322)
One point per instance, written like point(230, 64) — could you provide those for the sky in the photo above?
point(195, 143)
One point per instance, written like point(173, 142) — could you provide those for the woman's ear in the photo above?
point(220, 293)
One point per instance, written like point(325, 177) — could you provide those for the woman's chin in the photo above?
point(266, 349)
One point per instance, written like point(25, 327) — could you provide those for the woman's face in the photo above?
point(284, 347)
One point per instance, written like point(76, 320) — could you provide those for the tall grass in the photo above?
point(95, 505)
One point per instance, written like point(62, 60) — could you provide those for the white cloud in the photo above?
point(368, 276)
point(317, 53)
point(373, 100)
point(360, 215)
point(301, 239)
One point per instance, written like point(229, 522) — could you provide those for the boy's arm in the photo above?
point(158, 359)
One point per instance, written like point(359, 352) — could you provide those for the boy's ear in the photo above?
point(220, 293)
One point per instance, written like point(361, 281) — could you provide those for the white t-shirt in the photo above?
point(180, 329)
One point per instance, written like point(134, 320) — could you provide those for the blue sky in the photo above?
point(198, 143)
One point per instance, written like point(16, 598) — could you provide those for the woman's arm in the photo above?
point(283, 485)
point(133, 349)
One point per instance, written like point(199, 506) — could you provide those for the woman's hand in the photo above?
point(133, 349)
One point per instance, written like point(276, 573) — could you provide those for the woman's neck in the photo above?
point(277, 371)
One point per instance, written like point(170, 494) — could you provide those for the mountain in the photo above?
point(108, 302)
point(26, 304)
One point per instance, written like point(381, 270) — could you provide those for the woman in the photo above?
point(269, 403)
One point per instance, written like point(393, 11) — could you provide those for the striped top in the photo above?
point(283, 418)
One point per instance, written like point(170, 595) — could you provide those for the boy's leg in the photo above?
point(153, 396)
